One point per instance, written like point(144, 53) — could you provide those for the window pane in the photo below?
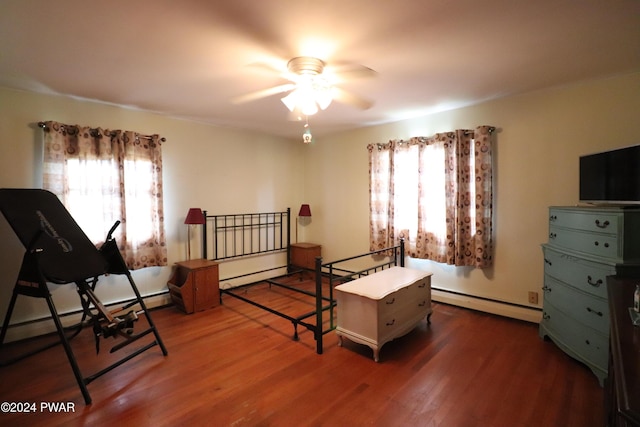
point(138, 200)
point(406, 189)
point(472, 186)
point(433, 202)
point(90, 198)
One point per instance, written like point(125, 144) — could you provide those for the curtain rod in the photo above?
point(43, 125)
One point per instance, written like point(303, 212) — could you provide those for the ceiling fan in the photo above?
point(310, 88)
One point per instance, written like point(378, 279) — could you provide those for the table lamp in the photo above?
point(305, 211)
point(194, 217)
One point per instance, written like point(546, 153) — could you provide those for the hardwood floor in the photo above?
point(236, 365)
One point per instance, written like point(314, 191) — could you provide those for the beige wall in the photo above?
point(540, 136)
point(218, 169)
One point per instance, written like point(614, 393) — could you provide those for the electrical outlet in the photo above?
point(533, 297)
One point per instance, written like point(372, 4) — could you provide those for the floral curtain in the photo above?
point(436, 193)
point(103, 176)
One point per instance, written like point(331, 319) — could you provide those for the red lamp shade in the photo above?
point(194, 216)
point(305, 210)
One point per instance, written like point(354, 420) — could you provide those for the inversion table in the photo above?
point(59, 252)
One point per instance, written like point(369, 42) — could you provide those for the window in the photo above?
point(107, 176)
point(436, 193)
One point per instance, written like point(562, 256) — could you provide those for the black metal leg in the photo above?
point(67, 349)
point(146, 312)
point(5, 324)
point(295, 331)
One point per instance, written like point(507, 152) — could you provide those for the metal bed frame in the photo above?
point(235, 236)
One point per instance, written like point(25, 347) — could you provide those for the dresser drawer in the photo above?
point(401, 308)
point(600, 245)
point(585, 308)
point(587, 276)
point(575, 338)
point(599, 222)
point(421, 290)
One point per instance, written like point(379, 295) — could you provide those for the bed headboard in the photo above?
point(240, 235)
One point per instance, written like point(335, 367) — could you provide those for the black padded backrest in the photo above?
point(42, 223)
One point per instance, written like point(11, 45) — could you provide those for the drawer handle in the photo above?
point(606, 245)
point(597, 283)
point(552, 235)
point(545, 316)
point(422, 285)
point(545, 288)
point(590, 310)
point(391, 323)
point(553, 218)
point(391, 302)
point(602, 225)
point(546, 261)
point(422, 304)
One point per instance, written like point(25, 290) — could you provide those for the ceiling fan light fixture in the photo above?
point(301, 101)
point(291, 100)
point(310, 93)
point(312, 90)
point(308, 106)
point(324, 99)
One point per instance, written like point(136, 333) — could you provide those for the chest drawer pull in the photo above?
point(422, 285)
point(545, 316)
point(606, 245)
point(391, 302)
point(596, 284)
point(602, 225)
point(391, 323)
point(422, 304)
point(552, 235)
point(553, 218)
point(549, 263)
point(546, 288)
point(590, 310)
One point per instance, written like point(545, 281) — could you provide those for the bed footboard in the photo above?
point(334, 274)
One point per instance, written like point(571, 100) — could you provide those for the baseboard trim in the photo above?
point(44, 326)
point(515, 311)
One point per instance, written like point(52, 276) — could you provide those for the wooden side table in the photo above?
point(304, 255)
point(195, 286)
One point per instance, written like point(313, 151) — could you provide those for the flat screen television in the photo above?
point(611, 177)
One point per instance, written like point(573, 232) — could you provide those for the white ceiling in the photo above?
point(189, 58)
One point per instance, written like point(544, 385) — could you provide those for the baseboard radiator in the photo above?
point(44, 325)
point(501, 308)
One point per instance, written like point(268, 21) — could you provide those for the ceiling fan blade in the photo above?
point(252, 96)
point(349, 98)
point(352, 71)
point(271, 66)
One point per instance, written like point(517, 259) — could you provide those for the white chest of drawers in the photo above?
point(586, 244)
point(378, 308)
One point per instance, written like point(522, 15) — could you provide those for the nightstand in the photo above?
point(194, 285)
point(304, 255)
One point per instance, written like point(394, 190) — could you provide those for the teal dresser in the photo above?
point(586, 244)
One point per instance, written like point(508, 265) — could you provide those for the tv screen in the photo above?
point(611, 177)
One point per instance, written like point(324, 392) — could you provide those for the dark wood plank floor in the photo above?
point(236, 365)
